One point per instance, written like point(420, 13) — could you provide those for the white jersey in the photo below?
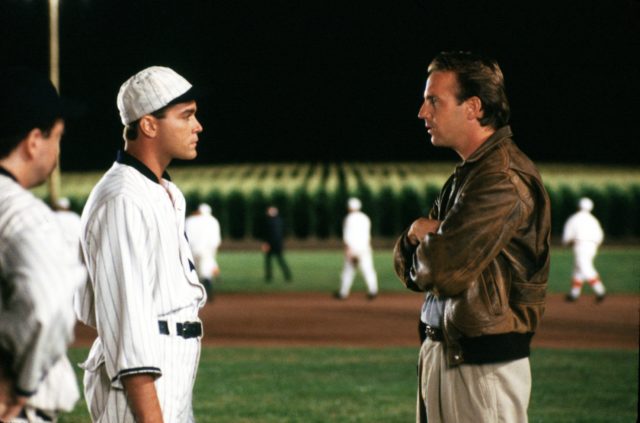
point(356, 232)
point(142, 272)
point(70, 222)
point(203, 231)
point(37, 320)
point(582, 227)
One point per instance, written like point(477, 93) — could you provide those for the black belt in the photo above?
point(185, 330)
point(435, 334)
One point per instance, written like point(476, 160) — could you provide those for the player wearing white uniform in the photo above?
point(37, 278)
point(70, 222)
point(583, 231)
point(203, 232)
point(356, 233)
point(144, 294)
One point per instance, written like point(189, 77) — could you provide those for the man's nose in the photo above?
point(422, 113)
point(198, 128)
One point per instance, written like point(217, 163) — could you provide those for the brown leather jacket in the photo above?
point(490, 256)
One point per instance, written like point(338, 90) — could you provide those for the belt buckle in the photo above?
point(432, 333)
point(189, 329)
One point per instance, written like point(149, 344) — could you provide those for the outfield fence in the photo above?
point(312, 196)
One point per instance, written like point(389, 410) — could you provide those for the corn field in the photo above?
point(312, 196)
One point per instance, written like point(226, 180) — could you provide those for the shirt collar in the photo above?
point(127, 159)
point(5, 172)
point(495, 139)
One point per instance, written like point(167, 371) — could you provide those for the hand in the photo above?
point(10, 410)
point(420, 228)
point(265, 248)
point(10, 403)
point(347, 253)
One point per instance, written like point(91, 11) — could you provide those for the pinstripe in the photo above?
point(36, 322)
point(138, 263)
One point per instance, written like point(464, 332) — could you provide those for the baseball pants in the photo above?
point(584, 253)
point(365, 262)
point(179, 359)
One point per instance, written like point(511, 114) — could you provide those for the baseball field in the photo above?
point(289, 352)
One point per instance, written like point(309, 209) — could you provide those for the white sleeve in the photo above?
point(346, 231)
point(217, 238)
point(120, 258)
point(598, 232)
point(37, 319)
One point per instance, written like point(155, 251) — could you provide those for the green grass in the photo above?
point(584, 386)
point(378, 385)
point(319, 271)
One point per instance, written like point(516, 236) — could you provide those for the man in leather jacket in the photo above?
point(482, 254)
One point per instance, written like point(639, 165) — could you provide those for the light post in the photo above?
point(54, 75)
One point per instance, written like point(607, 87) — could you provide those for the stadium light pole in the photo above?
point(54, 75)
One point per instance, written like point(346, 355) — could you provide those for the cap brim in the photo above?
point(192, 94)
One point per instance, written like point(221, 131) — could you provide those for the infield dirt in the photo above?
point(316, 319)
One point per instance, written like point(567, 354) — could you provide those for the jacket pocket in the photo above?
point(493, 293)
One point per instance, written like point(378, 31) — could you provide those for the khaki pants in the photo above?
point(486, 393)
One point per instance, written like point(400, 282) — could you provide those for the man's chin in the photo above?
point(188, 156)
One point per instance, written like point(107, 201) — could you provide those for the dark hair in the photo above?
point(28, 101)
point(477, 77)
point(9, 142)
point(131, 130)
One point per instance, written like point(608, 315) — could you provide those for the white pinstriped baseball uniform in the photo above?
point(37, 320)
point(141, 271)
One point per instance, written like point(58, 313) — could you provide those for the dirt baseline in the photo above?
point(315, 319)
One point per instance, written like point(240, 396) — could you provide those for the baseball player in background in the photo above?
point(273, 244)
point(70, 222)
point(356, 233)
point(583, 231)
point(144, 294)
point(37, 276)
point(203, 232)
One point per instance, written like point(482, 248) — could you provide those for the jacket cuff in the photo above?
point(405, 253)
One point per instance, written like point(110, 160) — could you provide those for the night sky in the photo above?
point(338, 80)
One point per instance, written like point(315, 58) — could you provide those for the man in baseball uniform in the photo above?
point(356, 233)
point(144, 295)
point(203, 231)
point(70, 222)
point(583, 231)
point(37, 273)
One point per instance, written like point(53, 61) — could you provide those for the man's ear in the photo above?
point(474, 108)
point(148, 125)
point(31, 143)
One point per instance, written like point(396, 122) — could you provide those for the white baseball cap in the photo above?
point(63, 203)
point(354, 204)
point(149, 90)
point(585, 204)
point(204, 208)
